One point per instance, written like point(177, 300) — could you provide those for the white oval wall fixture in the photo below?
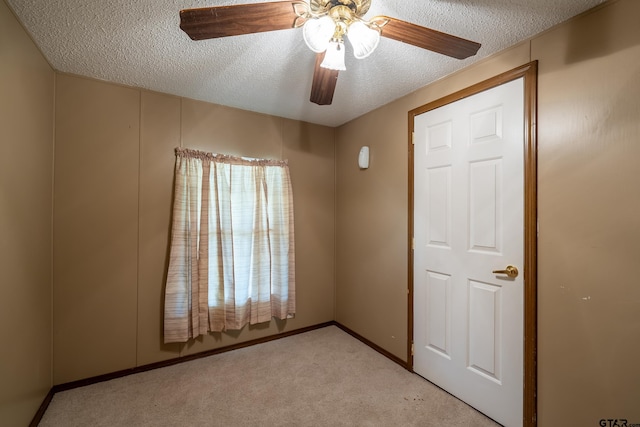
point(363, 157)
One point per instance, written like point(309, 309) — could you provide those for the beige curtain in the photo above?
point(232, 245)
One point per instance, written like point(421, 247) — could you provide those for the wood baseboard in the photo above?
point(43, 407)
point(125, 372)
point(376, 347)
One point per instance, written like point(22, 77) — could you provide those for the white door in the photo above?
point(468, 222)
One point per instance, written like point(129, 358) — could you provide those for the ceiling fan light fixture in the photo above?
point(334, 56)
point(325, 23)
point(317, 33)
point(363, 39)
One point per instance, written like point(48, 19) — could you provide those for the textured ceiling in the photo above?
point(139, 43)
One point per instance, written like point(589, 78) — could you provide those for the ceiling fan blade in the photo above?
point(222, 21)
point(426, 38)
point(324, 83)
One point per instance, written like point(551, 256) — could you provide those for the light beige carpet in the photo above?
point(320, 378)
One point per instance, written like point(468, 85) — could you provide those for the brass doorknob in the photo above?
point(510, 271)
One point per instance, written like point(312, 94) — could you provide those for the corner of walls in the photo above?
point(26, 151)
point(53, 203)
point(335, 223)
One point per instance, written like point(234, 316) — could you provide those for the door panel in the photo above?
point(485, 339)
point(439, 312)
point(468, 222)
point(485, 201)
point(439, 231)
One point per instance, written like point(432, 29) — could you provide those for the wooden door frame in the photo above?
point(529, 73)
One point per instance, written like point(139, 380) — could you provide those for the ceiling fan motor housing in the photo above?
point(341, 8)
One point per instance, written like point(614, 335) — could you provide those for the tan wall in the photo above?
point(589, 205)
point(113, 186)
point(26, 162)
point(589, 104)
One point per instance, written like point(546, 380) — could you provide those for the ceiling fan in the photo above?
point(325, 23)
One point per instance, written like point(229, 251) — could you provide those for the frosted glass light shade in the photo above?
point(363, 39)
point(317, 33)
point(334, 57)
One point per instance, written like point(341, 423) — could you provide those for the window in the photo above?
point(232, 245)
